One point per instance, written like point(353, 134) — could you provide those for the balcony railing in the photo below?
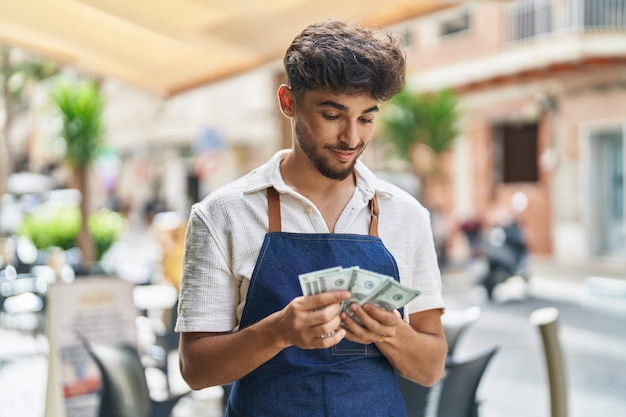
point(530, 19)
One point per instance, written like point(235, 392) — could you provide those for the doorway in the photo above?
point(608, 225)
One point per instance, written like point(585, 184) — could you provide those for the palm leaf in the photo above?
point(410, 118)
point(80, 106)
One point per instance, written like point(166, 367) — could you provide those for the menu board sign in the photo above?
point(101, 310)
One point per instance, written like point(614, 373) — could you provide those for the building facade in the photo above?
point(542, 87)
point(173, 152)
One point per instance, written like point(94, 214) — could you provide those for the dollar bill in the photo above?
point(365, 287)
point(393, 296)
point(338, 280)
point(313, 282)
point(364, 284)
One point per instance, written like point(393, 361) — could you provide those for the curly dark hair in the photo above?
point(346, 58)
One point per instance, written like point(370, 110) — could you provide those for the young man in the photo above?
point(242, 314)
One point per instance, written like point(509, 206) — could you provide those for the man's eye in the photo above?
point(330, 117)
point(366, 120)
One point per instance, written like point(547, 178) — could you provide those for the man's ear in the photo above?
point(286, 100)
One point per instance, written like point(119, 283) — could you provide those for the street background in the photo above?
point(533, 103)
point(591, 330)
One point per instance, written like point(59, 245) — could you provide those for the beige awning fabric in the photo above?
point(170, 46)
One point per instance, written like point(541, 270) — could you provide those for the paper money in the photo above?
point(365, 286)
point(393, 296)
point(315, 282)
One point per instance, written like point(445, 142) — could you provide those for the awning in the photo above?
point(169, 46)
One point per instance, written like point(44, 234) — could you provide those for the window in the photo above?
point(605, 14)
point(530, 18)
point(515, 153)
point(606, 195)
point(454, 24)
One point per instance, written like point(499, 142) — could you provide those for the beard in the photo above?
point(327, 167)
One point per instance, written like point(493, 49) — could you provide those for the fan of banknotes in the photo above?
point(366, 287)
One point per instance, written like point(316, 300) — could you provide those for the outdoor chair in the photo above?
point(415, 397)
point(23, 302)
point(457, 397)
point(125, 390)
point(456, 322)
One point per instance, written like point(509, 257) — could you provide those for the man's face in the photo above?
point(332, 130)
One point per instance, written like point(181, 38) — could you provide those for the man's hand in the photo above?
point(378, 324)
point(313, 321)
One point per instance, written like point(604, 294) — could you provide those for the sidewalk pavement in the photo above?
point(596, 284)
point(24, 372)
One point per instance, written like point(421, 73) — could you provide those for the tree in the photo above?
point(80, 106)
point(422, 127)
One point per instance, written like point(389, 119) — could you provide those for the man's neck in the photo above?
point(305, 179)
point(329, 196)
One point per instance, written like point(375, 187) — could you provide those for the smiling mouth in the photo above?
point(344, 155)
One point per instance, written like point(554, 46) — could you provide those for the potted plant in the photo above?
point(80, 105)
point(59, 227)
point(422, 127)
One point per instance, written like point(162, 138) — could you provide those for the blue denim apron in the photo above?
point(348, 379)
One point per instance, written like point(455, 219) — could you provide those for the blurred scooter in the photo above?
point(506, 254)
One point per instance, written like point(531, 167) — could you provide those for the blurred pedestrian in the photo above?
point(241, 312)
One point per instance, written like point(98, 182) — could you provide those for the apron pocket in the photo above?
point(348, 348)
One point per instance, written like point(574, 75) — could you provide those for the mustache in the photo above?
point(342, 146)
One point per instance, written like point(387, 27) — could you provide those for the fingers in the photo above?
point(320, 309)
point(376, 326)
point(386, 317)
point(324, 319)
point(324, 329)
point(317, 301)
point(313, 322)
point(318, 321)
point(325, 340)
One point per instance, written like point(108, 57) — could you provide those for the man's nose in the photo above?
point(350, 135)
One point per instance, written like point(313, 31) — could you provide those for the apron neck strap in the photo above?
point(273, 209)
point(374, 216)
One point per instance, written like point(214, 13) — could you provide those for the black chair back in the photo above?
point(415, 396)
point(456, 322)
point(125, 390)
point(457, 397)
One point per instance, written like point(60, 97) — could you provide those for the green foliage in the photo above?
point(431, 119)
point(399, 121)
point(46, 226)
point(105, 227)
point(59, 227)
point(80, 105)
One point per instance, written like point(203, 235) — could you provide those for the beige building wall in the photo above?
point(572, 83)
point(155, 137)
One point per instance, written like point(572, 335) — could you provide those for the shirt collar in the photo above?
point(268, 175)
